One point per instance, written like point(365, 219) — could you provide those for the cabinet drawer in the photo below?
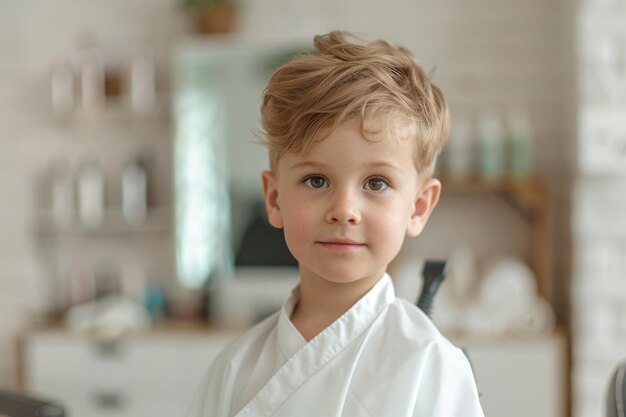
point(113, 363)
point(521, 378)
point(93, 400)
point(128, 362)
point(136, 377)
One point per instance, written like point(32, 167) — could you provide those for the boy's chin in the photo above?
point(349, 277)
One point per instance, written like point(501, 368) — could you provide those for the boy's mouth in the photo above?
point(341, 245)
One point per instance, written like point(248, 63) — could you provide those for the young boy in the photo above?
point(353, 133)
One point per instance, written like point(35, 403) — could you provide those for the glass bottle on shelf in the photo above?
point(135, 192)
point(459, 151)
point(92, 75)
point(91, 194)
point(492, 149)
point(519, 138)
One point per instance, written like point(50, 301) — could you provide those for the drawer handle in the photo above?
point(109, 349)
point(108, 400)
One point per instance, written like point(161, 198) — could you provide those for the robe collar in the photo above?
point(304, 359)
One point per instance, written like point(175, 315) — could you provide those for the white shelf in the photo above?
point(158, 220)
point(118, 111)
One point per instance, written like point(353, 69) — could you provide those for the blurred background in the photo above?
point(134, 246)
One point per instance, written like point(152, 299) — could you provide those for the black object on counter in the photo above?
point(434, 273)
point(19, 405)
point(616, 393)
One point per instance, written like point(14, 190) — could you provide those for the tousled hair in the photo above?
point(307, 98)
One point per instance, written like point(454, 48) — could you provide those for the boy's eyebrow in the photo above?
point(315, 164)
point(384, 164)
point(307, 164)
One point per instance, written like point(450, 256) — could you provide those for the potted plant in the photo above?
point(212, 16)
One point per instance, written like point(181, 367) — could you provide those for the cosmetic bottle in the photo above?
point(492, 148)
point(91, 74)
point(91, 194)
point(519, 144)
point(135, 192)
point(459, 151)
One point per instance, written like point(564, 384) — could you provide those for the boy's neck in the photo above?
point(322, 302)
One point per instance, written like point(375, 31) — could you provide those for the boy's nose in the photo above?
point(344, 210)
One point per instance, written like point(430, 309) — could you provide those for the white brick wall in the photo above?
point(598, 290)
point(599, 229)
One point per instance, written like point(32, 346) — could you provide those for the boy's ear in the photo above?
point(425, 201)
point(270, 194)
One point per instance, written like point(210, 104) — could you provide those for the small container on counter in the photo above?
point(154, 300)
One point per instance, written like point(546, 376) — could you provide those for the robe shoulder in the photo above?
point(414, 325)
point(214, 394)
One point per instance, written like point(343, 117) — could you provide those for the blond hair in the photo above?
point(307, 98)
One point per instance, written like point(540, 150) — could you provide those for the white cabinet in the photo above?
point(157, 374)
point(520, 377)
point(152, 375)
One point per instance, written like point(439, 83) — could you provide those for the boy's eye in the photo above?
point(315, 181)
point(376, 184)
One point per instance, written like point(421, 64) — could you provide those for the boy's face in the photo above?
point(347, 204)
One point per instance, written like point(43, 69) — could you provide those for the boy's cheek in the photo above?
point(298, 232)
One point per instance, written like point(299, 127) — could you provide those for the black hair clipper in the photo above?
point(433, 273)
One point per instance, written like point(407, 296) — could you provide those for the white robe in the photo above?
point(383, 357)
